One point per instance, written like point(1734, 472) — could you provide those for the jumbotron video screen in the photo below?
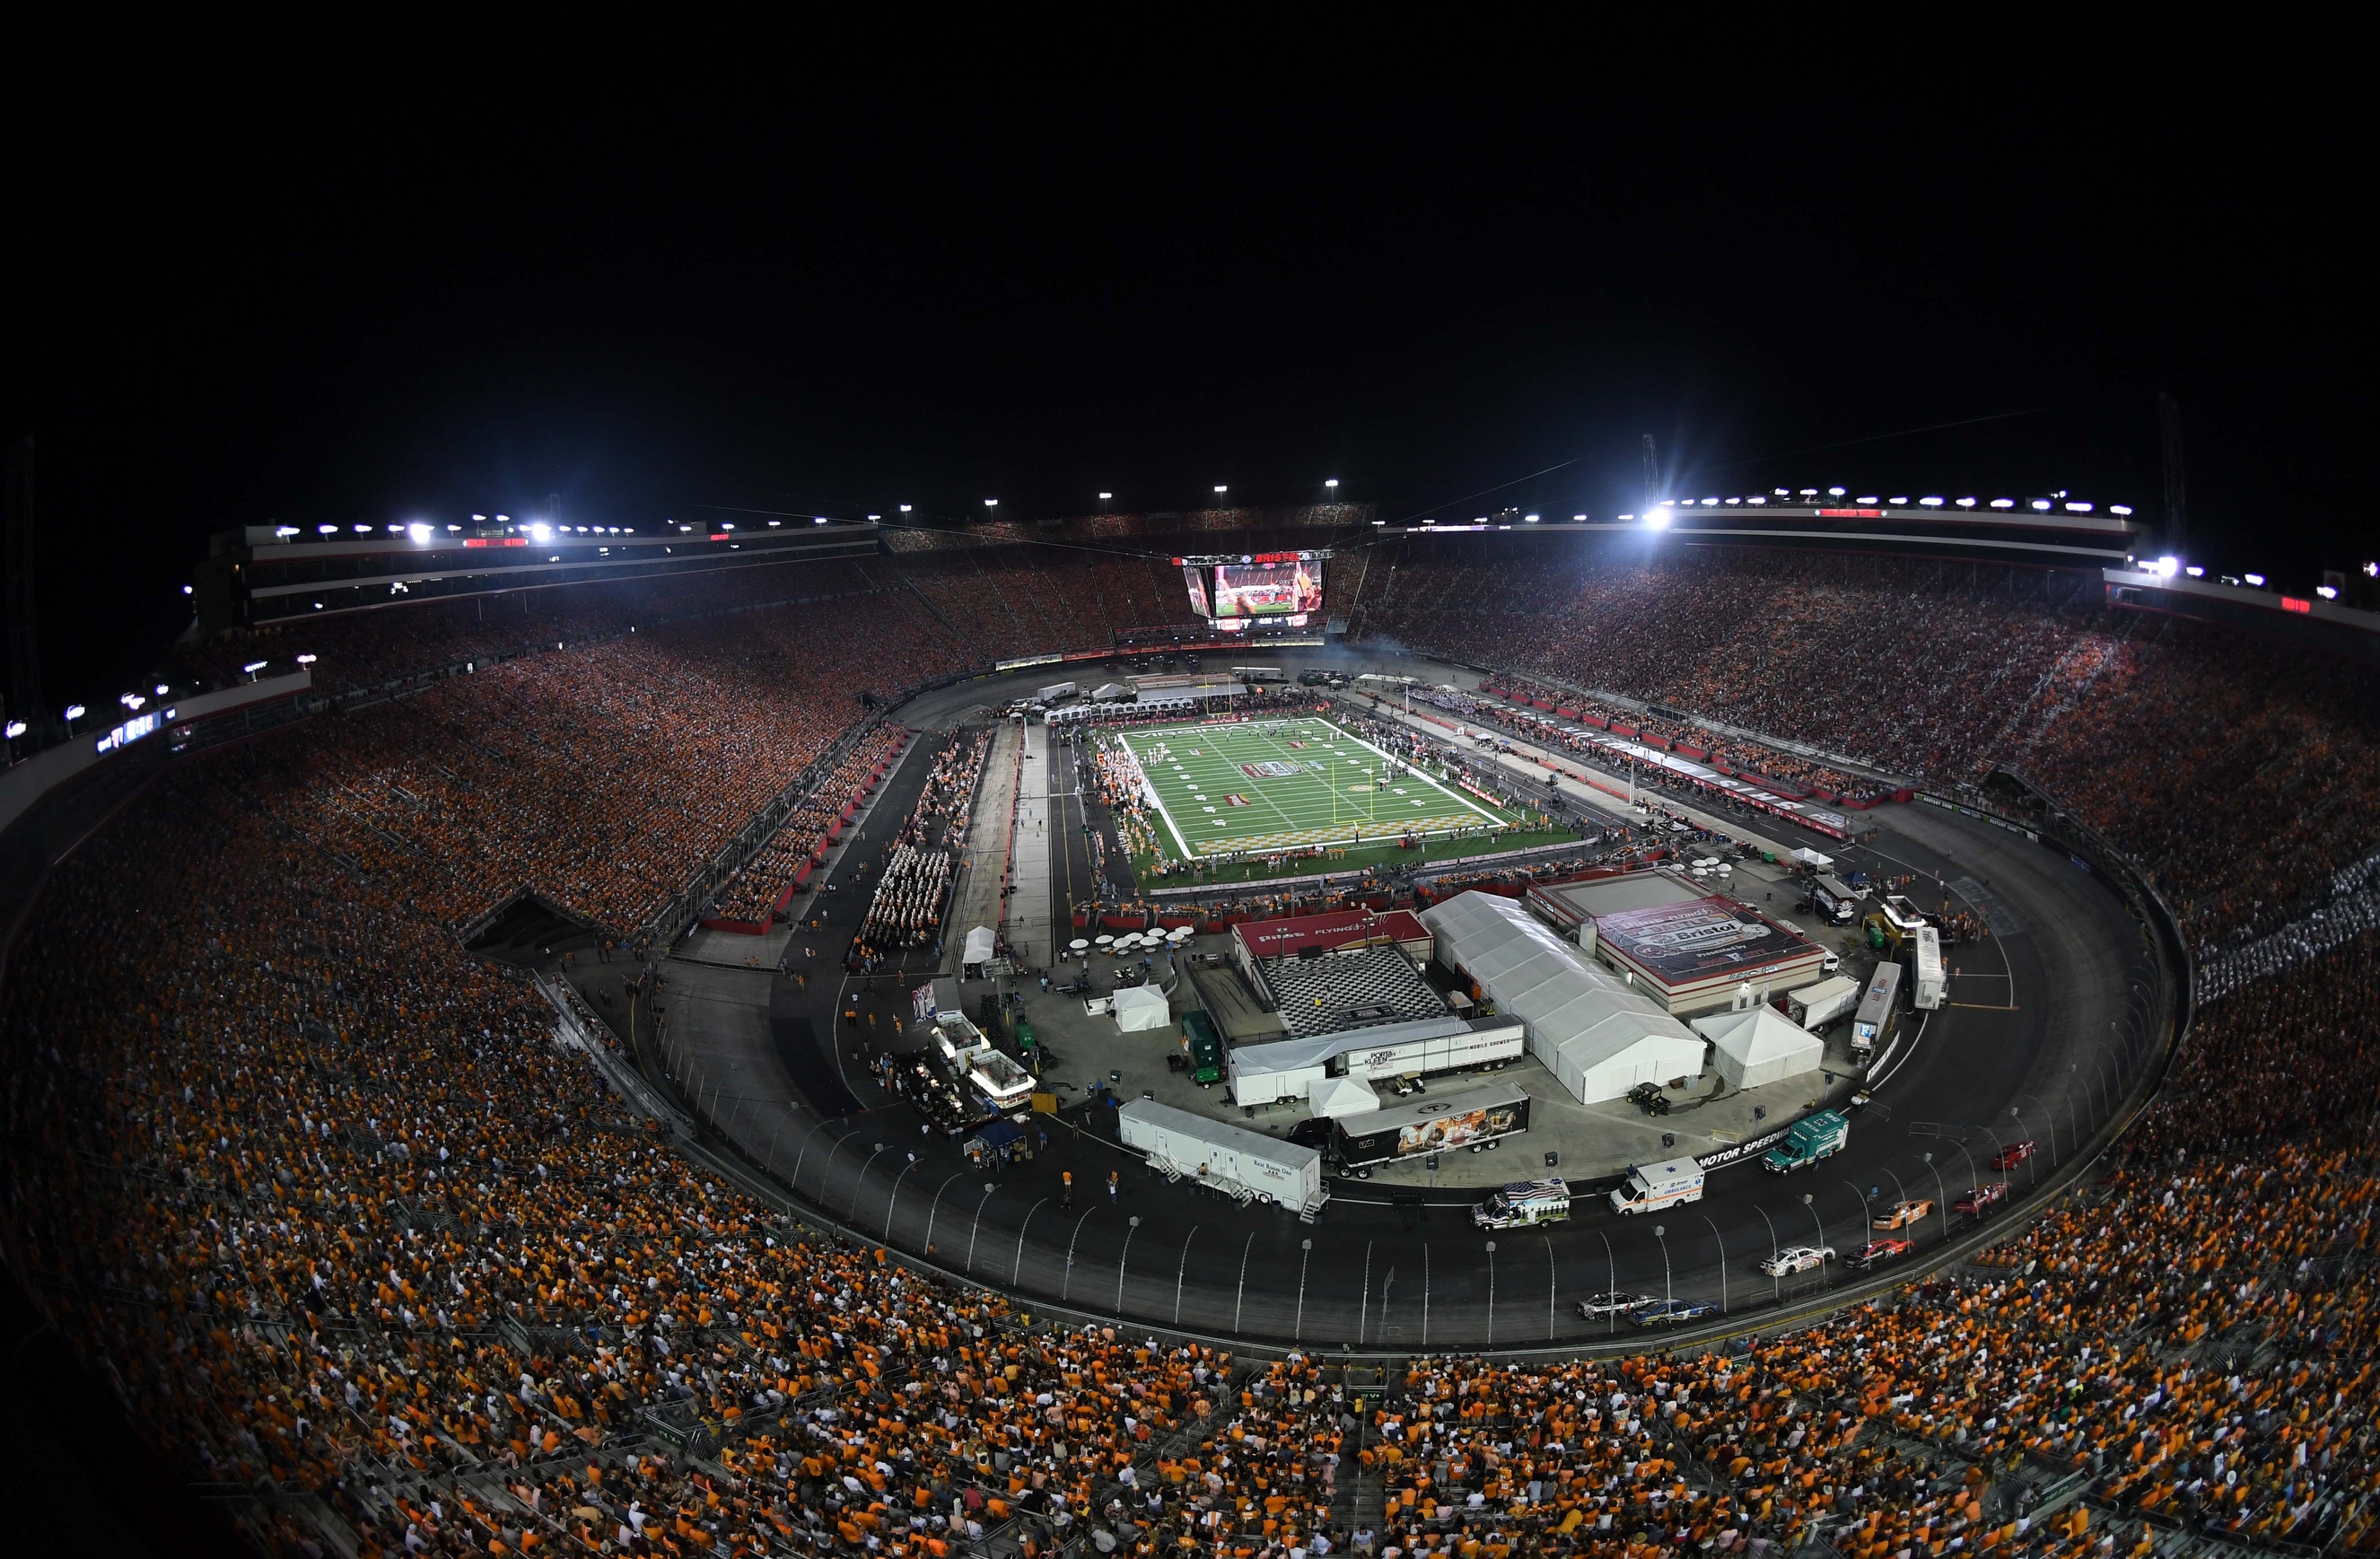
point(1269, 589)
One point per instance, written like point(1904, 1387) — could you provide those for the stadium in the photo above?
point(1248, 1032)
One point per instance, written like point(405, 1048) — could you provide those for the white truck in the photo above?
point(1651, 1186)
point(1245, 1166)
point(1815, 1006)
point(1928, 990)
point(1879, 1009)
point(1056, 694)
point(1833, 900)
point(1521, 1203)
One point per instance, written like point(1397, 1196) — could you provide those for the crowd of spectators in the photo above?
point(332, 1206)
point(761, 883)
point(920, 860)
point(1752, 761)
point(2242, 769)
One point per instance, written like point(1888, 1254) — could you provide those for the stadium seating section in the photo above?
point(338, 1212)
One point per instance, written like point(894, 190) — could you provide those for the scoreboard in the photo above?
point(1282, 589)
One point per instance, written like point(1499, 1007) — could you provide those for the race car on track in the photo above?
point(1877, 1250)
point(1903, 1213)
point(1982, 1197)
point(1674, 1313)
point(2013, 1155)
point(1797, 1258)
point(1596, 1306)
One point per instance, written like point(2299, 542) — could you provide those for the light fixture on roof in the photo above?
point(2255, 579)
point(2123, 509)
point(2078, 508)
point(819, 520)
point(419, 531)
point(1530, 519)
point(992, 502)
point(306, 659)
point(2003, 503)
point(1871, 498)
point(1966, 503)
point(1735, 501)
point(483, 519)
point(76, 712)
point(1930, 503)
point(2328, 593)
point(285, 530)
point(904, 508)
point(876, 517)
point(1579, 517)
point(1220, 488)
point(1658, 520)
point(1833, 492)
point(2041, 506)
point(1330, 482)
point(2195, 572)
point(1900, 502)
point(541, 533)
point(774, 523)
point(452, 528)
point(1756, 498)
point(16, 728)
point(2166, 568)
point(131, 701)
point(1808, 492)
point(327, 529)
point(1780, 493)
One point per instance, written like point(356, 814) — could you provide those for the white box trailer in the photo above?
point(1245, 1164)
point(1926, 992)
point(1057, 691)
point(1473, 1043)
point(1815, 1006)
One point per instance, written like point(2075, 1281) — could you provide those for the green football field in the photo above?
point(1277, 785)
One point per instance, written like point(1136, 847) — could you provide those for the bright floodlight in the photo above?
point(1756, 498)
point(1658, 521)
point(1222, 488)
point(541, 533)
point(2166, 568)
point(363, 530)
point(327, 529)
point(2124, 510)
point(1966, 503)
point(2195, 572)
point(252, 667)
point(2041, 506)
point(2255, 579)
point(305, 660)
point(1833, 492)
point(904, 508)
point(1871, 498)
point(76, 712)
point(818, 520)
point(2078, 508)
point(1580, 517)
point(1530, 519)
point(2326, 591)
point(161, 689)
point(1930, 503)
point(417, 530)
point(1104, 497)
point(16, 729)
point(285, 530)
point(992, 502)
point(130, 700)
point(2003, 503)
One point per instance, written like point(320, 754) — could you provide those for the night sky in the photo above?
point(853, 305)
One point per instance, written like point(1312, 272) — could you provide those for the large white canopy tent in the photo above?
point(1600, 1038)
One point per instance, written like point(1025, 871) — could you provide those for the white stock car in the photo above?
point(1797, 1258)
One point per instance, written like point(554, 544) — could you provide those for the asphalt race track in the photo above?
point(2039, 1041)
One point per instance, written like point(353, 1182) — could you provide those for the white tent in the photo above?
point(1600, 1038)
point(1813, 860)
point(1141, 1007)
point(1342, 1096)
point(1759, 1045)
point(978, 949)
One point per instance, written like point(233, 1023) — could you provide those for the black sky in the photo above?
point(837, 308)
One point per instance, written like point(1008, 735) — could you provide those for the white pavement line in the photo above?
point(1156, 798)
point(1902, 1059)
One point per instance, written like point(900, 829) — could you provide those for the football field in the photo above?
point(1274, 785)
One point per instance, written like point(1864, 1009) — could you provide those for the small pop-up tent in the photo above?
point(1141, 1007)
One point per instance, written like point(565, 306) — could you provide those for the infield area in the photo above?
point(1280, 785)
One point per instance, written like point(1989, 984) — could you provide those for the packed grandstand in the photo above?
point(316, 1188)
